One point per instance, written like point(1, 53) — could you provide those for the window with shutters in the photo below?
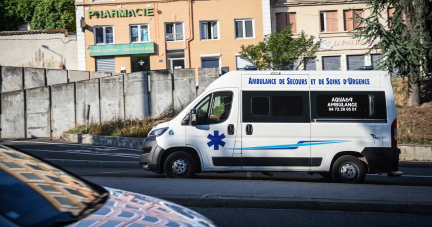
point(354, 62)
point(331, 62)
point(352, 19)
point(209, 30)
point(390, 13)
point(328, 21)
point(375, 60)
point(104, 35)
point(244, 28)
point(283, 19)
point(309, 64)
point(105, 64)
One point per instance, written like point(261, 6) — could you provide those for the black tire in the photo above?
point(348, 169)
point(180, 165)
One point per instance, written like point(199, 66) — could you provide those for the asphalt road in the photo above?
point(414, 186)
point(61, 150)
point(271, 217)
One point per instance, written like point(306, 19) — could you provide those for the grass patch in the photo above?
point(129, 128)
point(414, 123)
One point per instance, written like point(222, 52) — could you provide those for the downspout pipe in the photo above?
point(191, 32)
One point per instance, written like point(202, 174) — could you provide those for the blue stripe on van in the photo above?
point(303, 143)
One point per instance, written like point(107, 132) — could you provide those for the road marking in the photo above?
point(403, 175)
point(72, 144)
point(86, 174)
point(88, 153)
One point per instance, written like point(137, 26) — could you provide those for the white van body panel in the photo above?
point(301, 142)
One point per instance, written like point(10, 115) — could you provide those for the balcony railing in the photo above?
point(174, 36)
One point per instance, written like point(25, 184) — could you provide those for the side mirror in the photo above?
point(193, 117)
point(186, 120)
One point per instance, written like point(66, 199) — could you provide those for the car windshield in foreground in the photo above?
point(35, 193)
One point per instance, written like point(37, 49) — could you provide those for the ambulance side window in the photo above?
point(202, 110)
point(221, 107)
point(275, 106)
point(347, 105)
point(260, 106)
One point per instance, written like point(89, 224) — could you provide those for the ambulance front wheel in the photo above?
point(348, 169)
point(180, 165)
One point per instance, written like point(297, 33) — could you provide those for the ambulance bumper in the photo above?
point(149, 154)
point(382, 159)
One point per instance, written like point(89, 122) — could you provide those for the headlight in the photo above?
point(157, 132)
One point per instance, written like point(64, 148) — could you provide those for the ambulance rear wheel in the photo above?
point(180, 165)
point(348, 169)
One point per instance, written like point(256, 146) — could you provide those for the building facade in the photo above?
point(129, 36)
point(332, 22)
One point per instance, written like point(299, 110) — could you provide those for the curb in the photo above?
point(418, 208)
point(91, 163)
point(423, 165)
point(109, 141)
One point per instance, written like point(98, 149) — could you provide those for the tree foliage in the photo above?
point(54, 14)
point(8, 19)
point(40, 14)
point(281, 51)
point(405, 40)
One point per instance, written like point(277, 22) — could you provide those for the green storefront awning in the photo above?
point(121, 49)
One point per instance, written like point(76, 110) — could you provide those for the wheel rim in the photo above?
point(179, 167)
point(349, 172)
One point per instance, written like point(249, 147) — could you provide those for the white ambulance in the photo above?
point(339, 124)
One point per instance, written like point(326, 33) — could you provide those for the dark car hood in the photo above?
point(125, 208)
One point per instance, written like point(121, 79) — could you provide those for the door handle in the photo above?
point(230, 129)
point(249, 129)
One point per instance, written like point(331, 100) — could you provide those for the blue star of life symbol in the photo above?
point(216, 140)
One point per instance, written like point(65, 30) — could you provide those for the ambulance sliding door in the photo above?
point(276, 130)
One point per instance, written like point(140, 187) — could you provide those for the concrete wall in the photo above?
point(136, 95)
point(87, 93)
point(112, 99)
point(56, 76)
point(184, 88)
point(56, 108)
point(13, 116)
point(12, 79)
point(160, 92)
point(74, 75)
point(95, 75)
point(415, 153)
point(39, 51)
point(34, 77)
point(38, 112)
point(63, 108)
point(205, 77)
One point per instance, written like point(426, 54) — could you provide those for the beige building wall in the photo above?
point(224, 11)
point(38, 50)
point(336, 43)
